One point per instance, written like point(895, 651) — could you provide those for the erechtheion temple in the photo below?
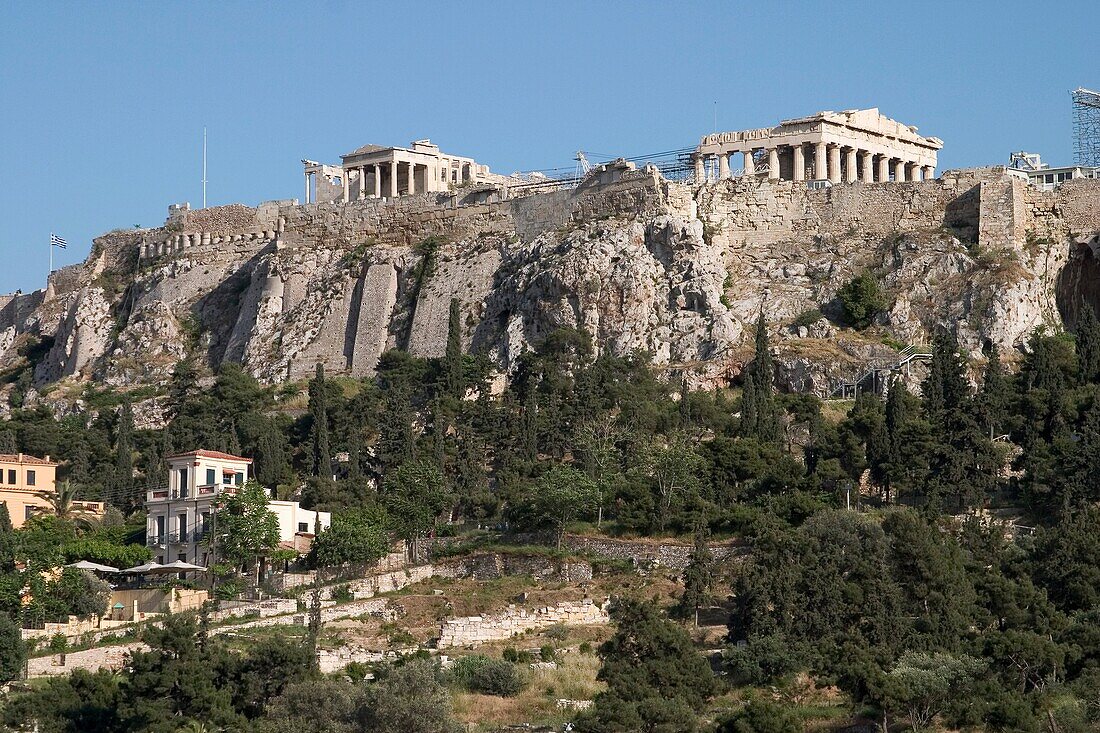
point(374, 171)
point(849, 146)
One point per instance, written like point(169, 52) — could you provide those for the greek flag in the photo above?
point(57, 241)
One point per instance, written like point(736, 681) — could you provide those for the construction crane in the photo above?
point(1086, 127)
point(582, 163)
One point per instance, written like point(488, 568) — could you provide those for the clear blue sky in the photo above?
point(103, 104)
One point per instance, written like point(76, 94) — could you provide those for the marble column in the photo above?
point(914, 171)
point(346, 175)
point(377, 181)
point(929, 172)
point(750, 163)
point(799, 159)
point(723, 166)
point(899, 171)
point(834, 164)
point(867, 159)
point(307, 188)
point(883, 168)
point(820, 166)
point(362, 182)
point(700, 169)
point(850, 165)
point(412, 178)
point(773, 164)
point(393, 179)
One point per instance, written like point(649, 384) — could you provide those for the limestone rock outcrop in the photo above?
point(640, 263)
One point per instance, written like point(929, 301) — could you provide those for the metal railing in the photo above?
point(872, 377)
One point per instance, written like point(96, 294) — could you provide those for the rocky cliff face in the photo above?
point(641, 264)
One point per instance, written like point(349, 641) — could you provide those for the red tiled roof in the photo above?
point(24, 458)
point(211, 454)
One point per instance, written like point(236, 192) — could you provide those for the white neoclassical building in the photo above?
point(375, 171)
point(181, 515)
point(854, 145)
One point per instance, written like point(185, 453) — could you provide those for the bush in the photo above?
point(342, 593)
point(547, 653)
point(586, 648)
point(478, 673)
point(805, 319)
point(12, 651)
point(763, 660)
point(513, 655)
point(557, 632)
point(862, 300)
point(761, 716)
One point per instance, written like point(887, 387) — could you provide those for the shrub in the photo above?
point(805, 319)
point(478, 673)
point(586, 648)
point(764, 659)
point(557, 632)
point(762, 716)
point(547, 653)
point(862, 300)
point(513, 655)
point(342, 593)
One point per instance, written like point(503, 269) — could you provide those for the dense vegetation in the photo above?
point(916, 601)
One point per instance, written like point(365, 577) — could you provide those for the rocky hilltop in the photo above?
point(641, 263)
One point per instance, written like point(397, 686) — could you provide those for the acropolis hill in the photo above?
point(676, 269)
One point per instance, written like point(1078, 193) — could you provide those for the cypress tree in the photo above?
point(7, 442)
point(530, 426)
point(396, 442)
point(698, 576)
point(1088, 343)
point(759, 413)
point(318, 409)
point(5, 518)
point(124, 452)
point(993, 398)
point(452, 360)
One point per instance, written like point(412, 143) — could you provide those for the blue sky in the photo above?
point(103, 104)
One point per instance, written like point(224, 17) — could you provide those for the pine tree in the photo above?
point(759, 412)
point(318, 409)
point(7, 442)
point(453, 381)
point(1088, 343)
point(530, 426)
point(993, 398)
point(396, 443)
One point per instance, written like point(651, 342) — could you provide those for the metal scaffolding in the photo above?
point(1086, 127)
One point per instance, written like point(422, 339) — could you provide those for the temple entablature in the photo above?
point(849, 146)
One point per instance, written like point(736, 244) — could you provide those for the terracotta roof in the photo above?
point(211, 454)
point(24, 458)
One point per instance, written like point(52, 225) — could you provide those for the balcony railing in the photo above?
point(164, 494)
point(89, 507)
point(175, 538)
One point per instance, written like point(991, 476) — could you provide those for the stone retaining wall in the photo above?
point(475, 630)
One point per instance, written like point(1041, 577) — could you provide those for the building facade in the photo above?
point(26, 482)
point(375, 171)
point(180, 516)
point(1030, 166)
point(839, 147)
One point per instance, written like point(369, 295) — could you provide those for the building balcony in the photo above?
point(164, 495)
point(89, 507)
point(176, 538)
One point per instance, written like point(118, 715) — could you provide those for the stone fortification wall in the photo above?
point(1071, 209)
point(648, 554)
point(475, 630)
point(16, 308)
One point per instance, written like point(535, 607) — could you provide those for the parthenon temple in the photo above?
point(374, 171)
point(849, 146)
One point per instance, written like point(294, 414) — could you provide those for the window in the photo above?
point(160, 528)
point(28, 511)
point(183, 483)
point(211, 477)
point(30, 477)
point(238, 478)
point(11, 476)
point(160, 559)
point(303, 526)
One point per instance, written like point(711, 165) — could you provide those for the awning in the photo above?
point(93, 566)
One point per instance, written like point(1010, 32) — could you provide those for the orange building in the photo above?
point(25, 484)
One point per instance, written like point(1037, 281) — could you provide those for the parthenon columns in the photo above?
point(377, 181)
point(750, 164)
point(850, 165)
point(700, 169)
point(307, 186)
point(929, 172)
point(347, 186)
point(773, 164)
point(819, 161)
point(868, 166)
point(883, 169)
point(834, 163)
point(915, 171)
point(723, 167)
point(412, 178)
point(393, 179)
point(899, 171)
point(799, 158)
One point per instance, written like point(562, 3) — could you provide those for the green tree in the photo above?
point(321, 455)
point(698, 577)
point(355, 536)
point(759, 412)
point(415, 496)
point(5, 518)
point(655, 678)
point(124, 453)
point(1087, 335)
point(923, 684)
point(12, 652)
point(409, 699)
point(453, 380)
point(562, 494)
point(862, 299)
point(247, 529)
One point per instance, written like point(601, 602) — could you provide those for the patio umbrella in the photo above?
point(179, 566)
point(93, 566)
point(149, 567)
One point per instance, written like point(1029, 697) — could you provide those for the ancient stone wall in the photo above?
point(648, 554)
point(475, 630)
